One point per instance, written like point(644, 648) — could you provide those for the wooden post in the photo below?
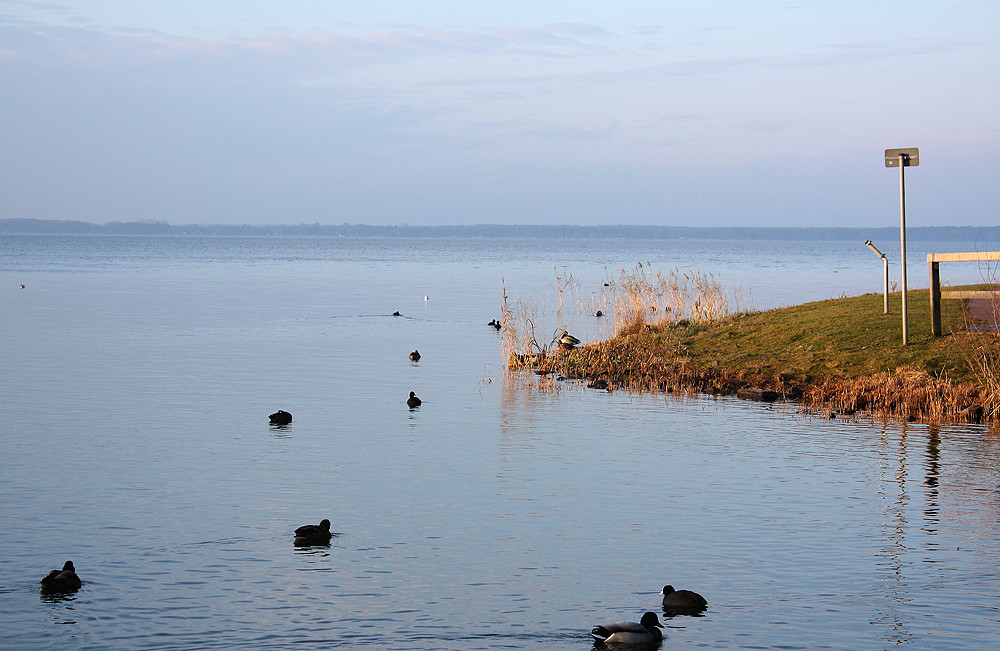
point(934, 260)
point(935, 298)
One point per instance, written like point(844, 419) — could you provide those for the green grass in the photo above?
point(843, 337)
point(843, 353)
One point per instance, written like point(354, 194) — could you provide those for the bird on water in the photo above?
point(413, 400)
point(280, 417)
point(64, 580)
point(313, 534)
point(682, 602)
point(646, 631)
point(415, 355)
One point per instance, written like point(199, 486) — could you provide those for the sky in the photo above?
point(710, 113)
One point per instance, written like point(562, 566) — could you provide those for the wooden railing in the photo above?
point(934, 260)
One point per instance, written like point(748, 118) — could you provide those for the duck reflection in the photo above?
point(57, 597)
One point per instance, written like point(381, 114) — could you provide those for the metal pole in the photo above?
point(885, 285)
point(885, 276)
point(902, 238)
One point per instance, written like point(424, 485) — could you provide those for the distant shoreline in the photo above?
point(522, 231)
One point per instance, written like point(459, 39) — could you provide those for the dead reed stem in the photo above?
point(667, 298)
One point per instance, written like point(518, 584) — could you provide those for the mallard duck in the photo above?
point(415, 355)
point(647, 631)
point(413, 400)
point(313, 534)
point(64, 580)
point(568, 341)
point(280, 417)
point(682, 602)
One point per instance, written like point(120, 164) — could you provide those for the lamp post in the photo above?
point(902, 158)
point(885, 276)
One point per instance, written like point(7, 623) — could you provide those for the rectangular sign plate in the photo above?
point(911, 157)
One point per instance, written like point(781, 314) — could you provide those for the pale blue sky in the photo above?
point(707, 113)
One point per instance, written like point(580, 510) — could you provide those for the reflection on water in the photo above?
point(933, 469)
point(928, 541)
point(57, 597)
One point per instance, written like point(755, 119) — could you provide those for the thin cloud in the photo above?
point(766, 126)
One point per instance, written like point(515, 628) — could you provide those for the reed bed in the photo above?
point(633, 299)
point(676, 296)
point(905, 394)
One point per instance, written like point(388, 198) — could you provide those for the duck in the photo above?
point(64, 580)
point(495, 324)
point(598, 313)
point(415, 356)
point(568, 341)
point(682, 602)
point(280, 417)
point(413, 400)
point(396, 313)
point(647, 631)
point(313, 534)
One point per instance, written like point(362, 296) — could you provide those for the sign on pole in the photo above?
point(902, 158)
point(911, 157)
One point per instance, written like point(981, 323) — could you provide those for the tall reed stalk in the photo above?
point(635, 297)
point(667, 298)
point(517, 326)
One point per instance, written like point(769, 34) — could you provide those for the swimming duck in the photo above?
point(415, 355)
point(495, 324)
point(396, 314)
point(647, 631)
point(64, 580)
point(313, 534)
point(682, 602)
point(413, 400)
point(280, 417)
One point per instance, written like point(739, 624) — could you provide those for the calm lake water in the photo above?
point(138, 374)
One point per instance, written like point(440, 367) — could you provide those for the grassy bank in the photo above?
point(841, 355)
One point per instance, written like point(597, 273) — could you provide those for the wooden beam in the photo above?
point(971, 294)
point(976, 256)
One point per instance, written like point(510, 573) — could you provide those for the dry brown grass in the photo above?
point(905, 394)
point(636, 297)
point(678, 295)
point(517, 326)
